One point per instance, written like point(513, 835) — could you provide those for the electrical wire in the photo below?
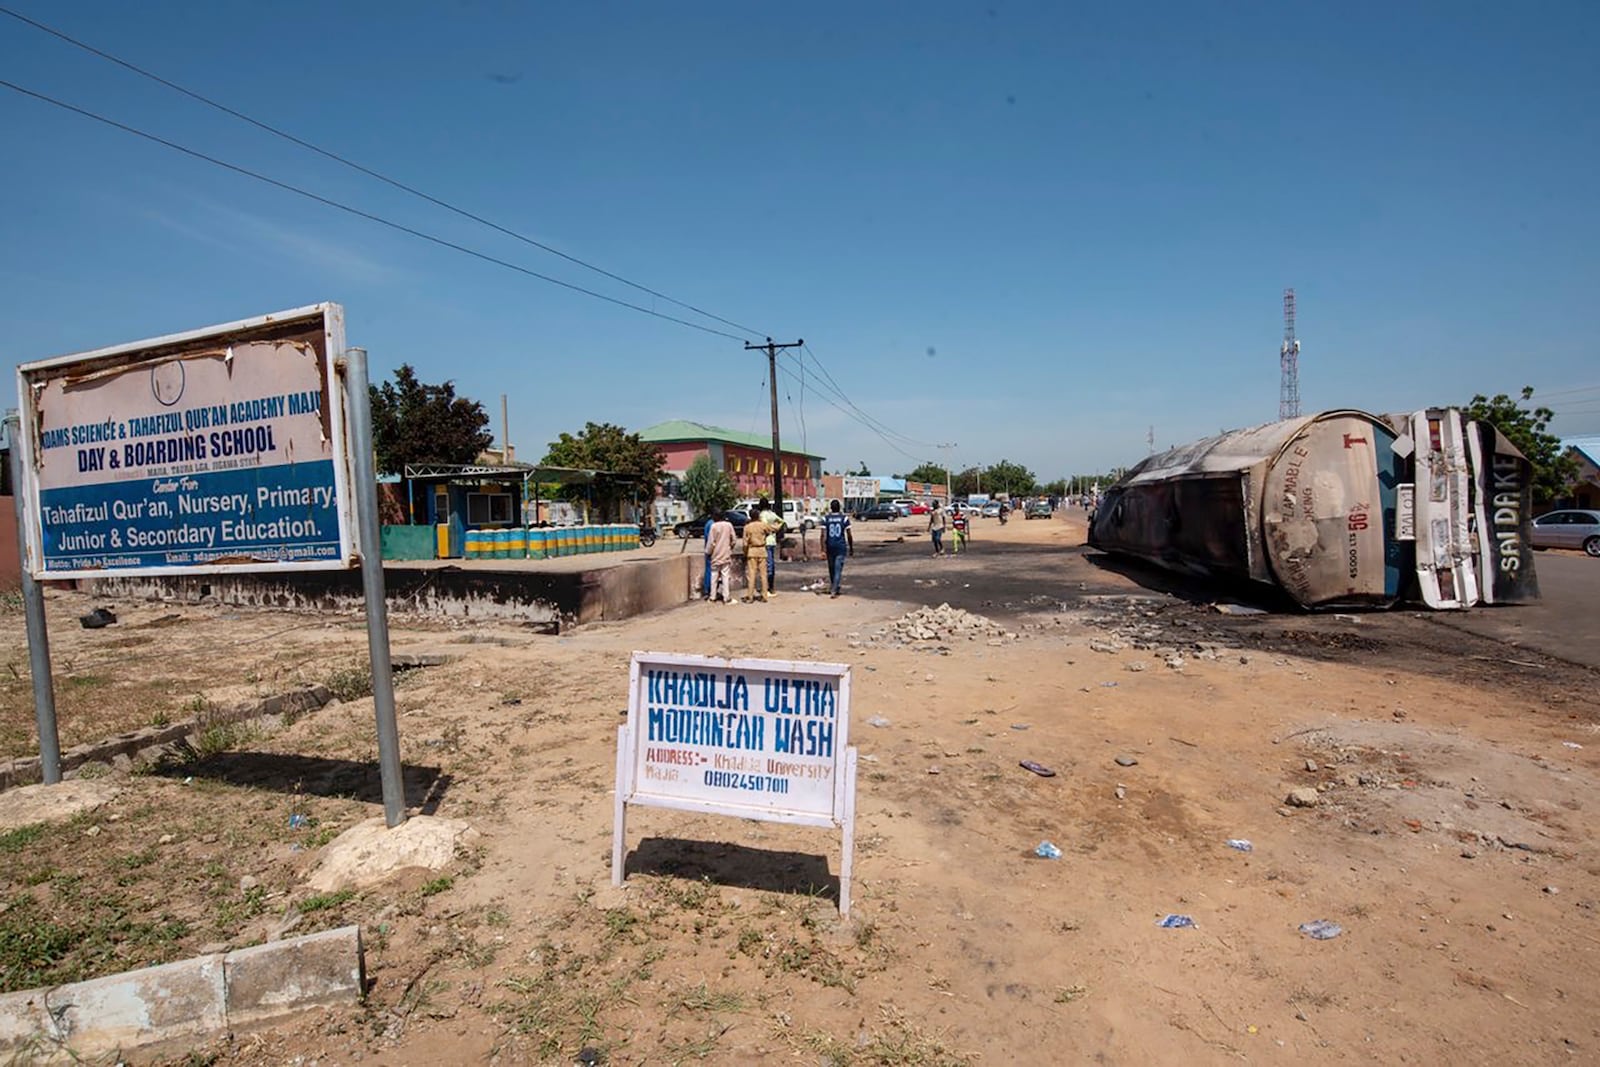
point(359, 213)
point(856, 417)
point(369, 172)
point(840, 393)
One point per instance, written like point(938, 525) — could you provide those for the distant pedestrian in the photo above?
point(720, 547)
point(936, 524)
point(959, 529)
point(774, 525)
point(837, 540)
point(755, 561)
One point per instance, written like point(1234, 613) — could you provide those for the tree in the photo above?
point(863, 472)
point(708, 490)
point(630, 466)
point(927, 472)
point(1055, 488)
point(1524, 426)
point(1008, 477)
point(413, 422)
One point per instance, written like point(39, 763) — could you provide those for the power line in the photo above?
point(838, 391)
point(359, 213)
point(848, 413)
point(368, 171)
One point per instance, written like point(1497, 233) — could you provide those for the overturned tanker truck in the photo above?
point(1339, 509)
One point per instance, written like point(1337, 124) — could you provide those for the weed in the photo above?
point(750, 941)
point(703, 999)
point(350, 683)
point(196, 707)
point(134, 860)
point(324, 901)
point(438, 885)
point(497, 916)
point(20, 838)
point(619, 922)
point(1067, 994)
point(160, 719)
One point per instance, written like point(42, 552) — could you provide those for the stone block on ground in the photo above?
point(44, 803)
point(369, 851)
point(158, 1004)
point(268, 981)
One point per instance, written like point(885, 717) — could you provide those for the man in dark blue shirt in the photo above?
point(836, 540)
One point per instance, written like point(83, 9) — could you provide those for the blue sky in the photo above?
point(1034, 230)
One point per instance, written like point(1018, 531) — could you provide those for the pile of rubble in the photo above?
point(940, 626)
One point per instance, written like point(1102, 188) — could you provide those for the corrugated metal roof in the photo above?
point(1588, 445)
point(684, 430)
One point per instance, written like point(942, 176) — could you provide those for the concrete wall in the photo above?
point(524, 595)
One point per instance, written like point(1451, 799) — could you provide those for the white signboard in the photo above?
point(216, 450)
point(1405, 516)
point(751, 738)
point(858, 488)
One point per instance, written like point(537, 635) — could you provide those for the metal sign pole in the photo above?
point(44, 692)
point(365, 486)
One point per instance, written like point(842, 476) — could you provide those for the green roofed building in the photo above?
point(747, 457)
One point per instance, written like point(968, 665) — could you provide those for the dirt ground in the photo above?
point(1450, 838)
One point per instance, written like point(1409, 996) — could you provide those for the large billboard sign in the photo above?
point(220, 449)
point(859, 488)
point(751, 738)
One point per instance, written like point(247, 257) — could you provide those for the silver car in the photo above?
point(1568, 529)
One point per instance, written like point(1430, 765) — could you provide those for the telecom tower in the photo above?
point(1289, 362)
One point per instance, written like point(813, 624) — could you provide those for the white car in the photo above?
point(1569, 528)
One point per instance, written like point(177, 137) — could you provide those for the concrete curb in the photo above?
point(149, 744)
point(183, 1002)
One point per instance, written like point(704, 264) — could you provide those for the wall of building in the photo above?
point(10, 561)
point(749, 468)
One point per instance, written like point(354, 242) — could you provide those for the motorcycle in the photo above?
point(647, 535)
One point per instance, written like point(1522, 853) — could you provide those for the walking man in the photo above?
point(836, 539)
point(755, 561)
point(936, 528)
point(719, 546)
point(774, 526)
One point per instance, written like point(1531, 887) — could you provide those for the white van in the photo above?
point(796, 515)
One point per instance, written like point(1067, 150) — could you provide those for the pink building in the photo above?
point(746, 457)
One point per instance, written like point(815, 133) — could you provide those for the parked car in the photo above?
point(795, 516)
point(881, 511)
point(1039, 509)
point(696, 528)
point(904, 505)
point(991, 510)
point(1568, 529)
point(919, 508)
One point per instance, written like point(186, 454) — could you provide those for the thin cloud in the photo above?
point(222, 226)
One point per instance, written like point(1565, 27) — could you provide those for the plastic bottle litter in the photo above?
point(1175, 922)
point(1321, 930)
point(1047, 851)
point(297, 821)
point(1240, 844)
point(878, 721)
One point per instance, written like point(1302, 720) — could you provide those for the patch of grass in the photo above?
point(350, 683)
point(86, 681)
point(323, 901)
point(620, 922)
point(702, 998)
point(437, 885)
point(20, 838)
point(41, 944)
point(1067, 994)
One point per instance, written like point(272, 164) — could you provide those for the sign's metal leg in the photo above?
point(364, 477)
point(44, 692)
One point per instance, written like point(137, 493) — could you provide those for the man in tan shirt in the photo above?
point(755, 560)
point(719, 548)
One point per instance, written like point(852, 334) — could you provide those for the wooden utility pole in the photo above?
point(777, 453)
